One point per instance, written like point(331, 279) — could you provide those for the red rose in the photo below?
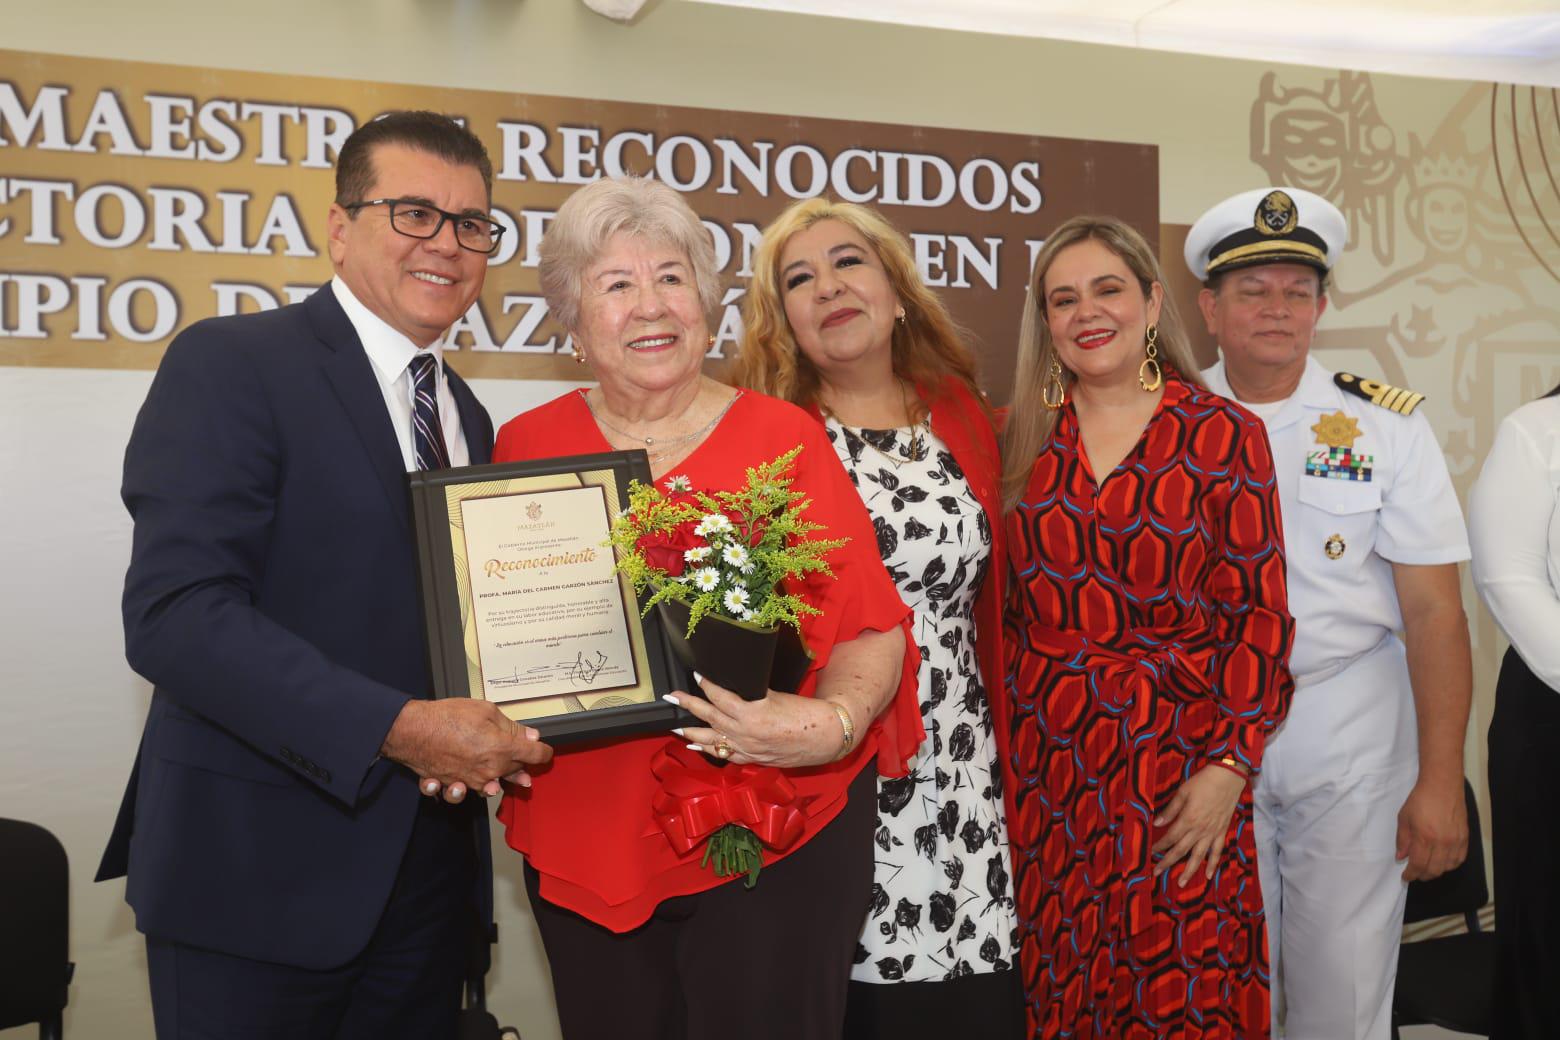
point(663, 550)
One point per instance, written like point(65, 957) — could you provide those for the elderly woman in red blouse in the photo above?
point(1147, 636)
point(643, 940)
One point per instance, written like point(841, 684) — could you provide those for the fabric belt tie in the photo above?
point(1125, 681)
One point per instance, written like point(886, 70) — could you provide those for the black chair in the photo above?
point(35, 967)
point(1449, 981)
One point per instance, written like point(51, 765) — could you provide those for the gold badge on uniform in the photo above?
point(1338, 460)
point(1276, 214)
point(1334, 547)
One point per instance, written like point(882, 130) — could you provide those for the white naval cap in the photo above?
point(1266, 226)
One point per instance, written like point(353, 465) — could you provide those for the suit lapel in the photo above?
point(352, 377)
point(475, 425)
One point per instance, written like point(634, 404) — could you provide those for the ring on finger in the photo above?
point(723, 749)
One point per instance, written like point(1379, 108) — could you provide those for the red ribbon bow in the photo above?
point(696, 799)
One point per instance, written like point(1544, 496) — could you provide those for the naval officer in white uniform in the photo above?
point(1361, 787)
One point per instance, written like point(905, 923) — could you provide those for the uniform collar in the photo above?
point(1315, 391)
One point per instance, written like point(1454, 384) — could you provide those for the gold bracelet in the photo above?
point(845, 723)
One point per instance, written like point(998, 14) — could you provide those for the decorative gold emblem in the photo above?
point(534, 511)
point(1276, 214)
point(1334, 547)
point(1337, 430)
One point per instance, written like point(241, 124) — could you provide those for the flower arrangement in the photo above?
point(727, 552)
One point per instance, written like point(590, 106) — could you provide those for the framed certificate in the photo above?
point(521, 601)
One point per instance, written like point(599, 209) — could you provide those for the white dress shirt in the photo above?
point(1341, 537)
point(390, 353)
point(1515, 525)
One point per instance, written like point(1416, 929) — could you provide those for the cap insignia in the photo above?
point(1276, 214)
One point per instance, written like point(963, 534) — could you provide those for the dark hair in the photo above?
point(1217, 278)
point(438, 135)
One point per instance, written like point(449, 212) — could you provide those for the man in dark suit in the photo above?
point(288, 877)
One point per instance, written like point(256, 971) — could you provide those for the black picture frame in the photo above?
point(448, 617)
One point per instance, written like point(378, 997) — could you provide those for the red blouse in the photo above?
point(585, 825)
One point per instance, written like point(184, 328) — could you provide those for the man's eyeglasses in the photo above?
point(417, 219)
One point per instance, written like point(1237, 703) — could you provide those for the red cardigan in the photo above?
point(967, 430)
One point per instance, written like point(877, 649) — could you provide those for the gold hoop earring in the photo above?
point(1151, 362)
point(579, 357)
point(1054, 393)
point(900, 317)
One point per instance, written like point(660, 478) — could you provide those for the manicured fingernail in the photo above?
point(671, 700)
point(695, 747)
point(431, 787)
point(677, 730)
point(531, 734)
point(525, 780)
point(1159, 821)
point(698, 678)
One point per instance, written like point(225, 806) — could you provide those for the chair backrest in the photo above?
point(1462, 890)
point(34, 924)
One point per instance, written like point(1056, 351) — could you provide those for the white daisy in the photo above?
point(679, 483)
point(744, 614)
point(713, 523)
point(735, 555)
point(748, 567)
point(736, 600)
point(698, 554)
point(705, 579)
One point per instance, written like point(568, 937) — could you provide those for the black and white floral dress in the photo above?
point(942, 901)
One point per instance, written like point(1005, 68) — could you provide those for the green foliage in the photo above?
point(734, 850)
point(738, 548)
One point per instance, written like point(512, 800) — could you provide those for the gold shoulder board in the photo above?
point(1392, 398)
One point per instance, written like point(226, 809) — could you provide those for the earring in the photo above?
point(1054, 393)
point(1151, 362)
point(579, 357)
point(899, 315)
point(712, 340)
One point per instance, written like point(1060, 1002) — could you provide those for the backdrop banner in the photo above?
point(136, 199)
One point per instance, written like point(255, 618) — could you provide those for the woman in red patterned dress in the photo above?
point(1147, 638)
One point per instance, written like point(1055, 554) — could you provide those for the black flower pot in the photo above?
point(745, 659)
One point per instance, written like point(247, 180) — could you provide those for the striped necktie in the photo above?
point(427, 433)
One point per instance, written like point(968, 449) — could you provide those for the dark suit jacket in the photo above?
point(272, 601)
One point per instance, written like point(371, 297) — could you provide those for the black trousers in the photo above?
point(989, 1006)
point(405, 986)
point(1524, 793)
point(767, 963)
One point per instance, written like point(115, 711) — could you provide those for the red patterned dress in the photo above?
point(1147, 635)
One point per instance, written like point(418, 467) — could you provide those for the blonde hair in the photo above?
point(636, 205)
point(927, 348)
point(1030, 423)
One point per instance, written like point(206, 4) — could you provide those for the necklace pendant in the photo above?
point(649, 441)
